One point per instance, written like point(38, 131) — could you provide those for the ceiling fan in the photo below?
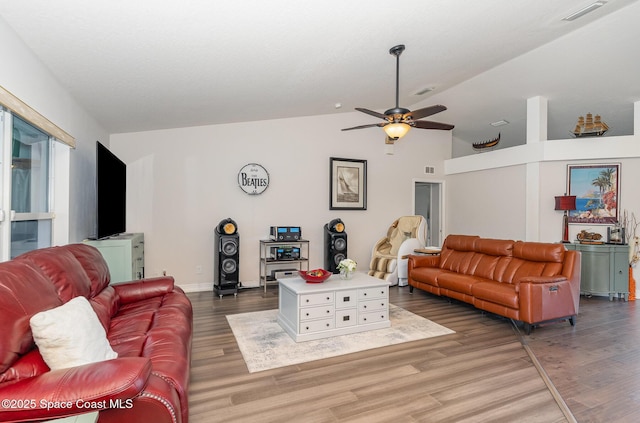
point(398, 121)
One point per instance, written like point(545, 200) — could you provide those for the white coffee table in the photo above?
point(335, 307)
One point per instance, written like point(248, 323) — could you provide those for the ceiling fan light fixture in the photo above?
point(396, 130)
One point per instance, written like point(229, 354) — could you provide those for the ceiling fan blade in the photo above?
point(425, 124)
point(427, 111)
point(372, 113)
point(371, 125)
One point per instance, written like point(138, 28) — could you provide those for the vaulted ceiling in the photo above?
point(154, 64)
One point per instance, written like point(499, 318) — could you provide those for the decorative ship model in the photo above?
point(486, 144)
point(591, 127)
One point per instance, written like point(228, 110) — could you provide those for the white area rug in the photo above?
point(265, 345)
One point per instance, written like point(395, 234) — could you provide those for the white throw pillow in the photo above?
point(70, 335)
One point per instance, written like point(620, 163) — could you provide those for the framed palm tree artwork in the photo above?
point(347, 184)
point(597, 191)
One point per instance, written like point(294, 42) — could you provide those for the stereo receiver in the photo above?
point(285, 253)
point(286, 233)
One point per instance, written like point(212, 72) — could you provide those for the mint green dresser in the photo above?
point(605, 269)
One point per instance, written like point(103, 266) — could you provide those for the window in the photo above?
point(26, 188)
point(30, 188)
point(34, 164)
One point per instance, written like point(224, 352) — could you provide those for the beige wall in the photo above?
point(182, 182)
point(24, 76)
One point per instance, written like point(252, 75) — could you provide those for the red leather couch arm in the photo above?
point(76, 390)
point(145, 288)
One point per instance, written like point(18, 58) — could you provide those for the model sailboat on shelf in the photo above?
point(484, 145)
point(591, 127)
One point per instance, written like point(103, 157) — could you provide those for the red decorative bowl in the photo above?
point(315, 275)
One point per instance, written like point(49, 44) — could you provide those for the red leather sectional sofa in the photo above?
point(526, 281)
point(148, 323)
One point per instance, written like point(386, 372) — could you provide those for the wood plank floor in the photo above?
point(481, 373)
point(595, 365)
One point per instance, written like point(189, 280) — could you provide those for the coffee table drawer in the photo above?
point(373, 317)
point(346, 317)
point(308, 313)
point(316, 325)
point(373, 305)
point(323, 298)
point(379, 292)
point(346, 298)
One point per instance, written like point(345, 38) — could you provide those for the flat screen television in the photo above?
point(111, 193)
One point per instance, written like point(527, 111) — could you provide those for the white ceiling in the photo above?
point(155, 64)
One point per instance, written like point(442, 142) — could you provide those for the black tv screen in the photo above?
point(111, 193)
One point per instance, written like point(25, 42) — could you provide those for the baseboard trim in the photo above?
point(196, 287)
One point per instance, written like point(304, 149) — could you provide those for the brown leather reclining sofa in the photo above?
point(530, 282)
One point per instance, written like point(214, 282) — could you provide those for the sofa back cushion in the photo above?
point(93, 264)
point(457, 252)
point(488, 253)
point(63, 269)
point(105, 304)
point(533, 259)
point(460, 242)
point(24, 291)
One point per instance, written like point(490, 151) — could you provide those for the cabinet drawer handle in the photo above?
point(307, 314)
point(327, 324)
point(328, 311)
point(307, 300)
point(553, 288)
point(328, 298)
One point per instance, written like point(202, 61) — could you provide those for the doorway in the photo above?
point(428, 202)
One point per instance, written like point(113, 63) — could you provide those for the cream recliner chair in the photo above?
point(405, 235)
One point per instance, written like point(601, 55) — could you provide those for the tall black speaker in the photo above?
point(335, 245)
point(226, 258)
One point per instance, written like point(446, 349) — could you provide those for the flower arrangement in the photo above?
point(347, 265)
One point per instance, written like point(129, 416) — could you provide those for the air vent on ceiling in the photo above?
point(423, 91)
point(584, 11)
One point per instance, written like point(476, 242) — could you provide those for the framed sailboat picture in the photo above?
point(347, 184)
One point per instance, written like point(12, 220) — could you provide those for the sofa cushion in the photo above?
point(70, 335)
point(105, 304)
point(63, 269)
point(494, 247)
point(29, 365)
point(496, 292)
point(458, 282)
point(24, 291)
point(93, 264)
point(460, 242)
point(535, 251)
point(428, 275)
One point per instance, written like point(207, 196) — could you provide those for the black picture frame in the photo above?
point(347, 184)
